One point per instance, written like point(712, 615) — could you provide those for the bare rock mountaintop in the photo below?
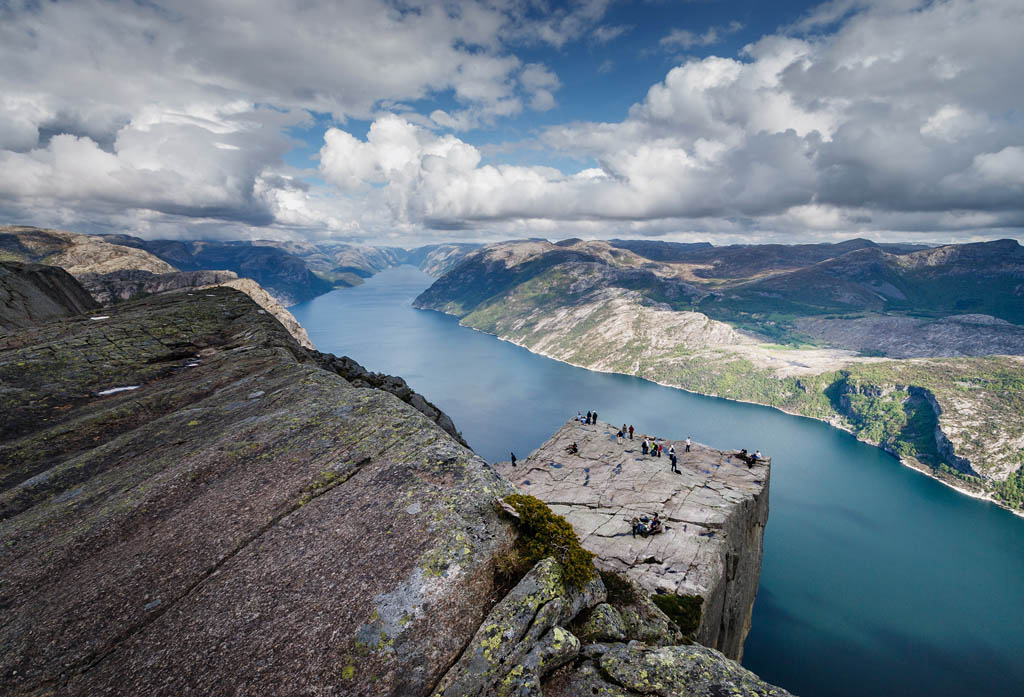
point(715, 511)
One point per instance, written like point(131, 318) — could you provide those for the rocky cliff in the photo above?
point(118, 286)
point(193, 504)
point(704, 569)
point(34, 293)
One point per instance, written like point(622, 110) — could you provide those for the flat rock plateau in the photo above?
point(714, 509)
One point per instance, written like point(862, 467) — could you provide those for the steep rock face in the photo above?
point(226, 523)
point(610, 308)
point(108, 288)
point(34, 293)
point(708, 560)
point(270, 304)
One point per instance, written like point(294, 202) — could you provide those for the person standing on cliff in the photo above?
point(513, 455)
point(595, 417)
point(688, 442)
point(672, 459)
point(644, 447)
point(631, 431)
point(589, 418)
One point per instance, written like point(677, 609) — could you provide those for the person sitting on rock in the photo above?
point(655, 524)
point(758, 455)
point(572, 449)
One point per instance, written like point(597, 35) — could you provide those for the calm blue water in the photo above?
point(876, 580)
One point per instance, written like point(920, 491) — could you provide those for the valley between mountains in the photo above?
point(918, 350)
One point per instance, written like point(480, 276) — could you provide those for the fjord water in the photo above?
point(876, 580)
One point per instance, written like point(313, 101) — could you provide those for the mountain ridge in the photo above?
point(971, 437)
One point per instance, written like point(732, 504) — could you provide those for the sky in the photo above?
point(416, 121)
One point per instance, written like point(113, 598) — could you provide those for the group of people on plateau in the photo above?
point(656, 449)
point(590, 418)
point(647, 525)
point(751, 460)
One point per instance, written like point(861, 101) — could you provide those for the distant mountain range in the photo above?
point(290, 271)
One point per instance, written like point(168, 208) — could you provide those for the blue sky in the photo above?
point(405, 122)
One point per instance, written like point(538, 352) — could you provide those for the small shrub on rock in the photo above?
point(543, 533)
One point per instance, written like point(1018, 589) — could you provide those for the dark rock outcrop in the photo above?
point(33, 293)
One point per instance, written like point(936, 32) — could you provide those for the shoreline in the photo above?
point(905, 463)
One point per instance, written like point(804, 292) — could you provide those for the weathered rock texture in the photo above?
point(34, 293)
point(715, 512)
point(627, 670)
point(236, 520)
point(534, 644)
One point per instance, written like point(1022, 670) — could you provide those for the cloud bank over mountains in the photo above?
point(861, 117)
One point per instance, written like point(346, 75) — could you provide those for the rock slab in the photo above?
point(190, 504)
point(715, 511)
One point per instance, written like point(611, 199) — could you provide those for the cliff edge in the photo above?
point(190, 504)
point(703, 570)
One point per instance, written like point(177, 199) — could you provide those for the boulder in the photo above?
point(633, 669)
point(33, 294)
